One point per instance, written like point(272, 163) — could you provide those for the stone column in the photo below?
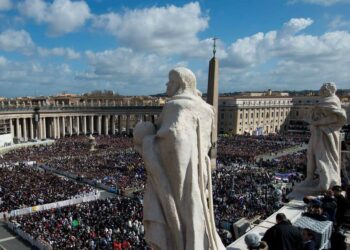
point(63, 126)
point(54, 128)
point(25, 129)
point(31, 128)
point(40, 128)
point(18, 129)
point(78, 125)
point(113, 124)
point(106, 124)
point(92, 124)
point(44, 128)
point(84, 125)
point(99, 125)
point(12, 129)
point(119, 124)
point(127, 125)
point(58, 128)
point(70, 126)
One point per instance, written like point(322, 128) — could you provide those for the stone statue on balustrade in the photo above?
point(178, 209)
point(323, 154)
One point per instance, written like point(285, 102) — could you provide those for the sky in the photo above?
point(129, 46)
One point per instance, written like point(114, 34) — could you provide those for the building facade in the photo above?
point(257, 113)
point(41, 118)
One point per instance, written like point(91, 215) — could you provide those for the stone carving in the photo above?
point(323, 153)
point(178, 210)
point(92, 142)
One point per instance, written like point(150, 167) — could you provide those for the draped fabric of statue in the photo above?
point(326, 120)
point(176, 213)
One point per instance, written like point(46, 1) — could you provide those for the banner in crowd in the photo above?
point(90, 197)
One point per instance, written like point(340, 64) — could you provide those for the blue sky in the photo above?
point(48, 47)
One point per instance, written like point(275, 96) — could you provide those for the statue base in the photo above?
point(305, 188)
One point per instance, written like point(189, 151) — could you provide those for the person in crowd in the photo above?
point(343, 204)
point(327, 202)
point(309, 242)
point(283, 235)
point(253, 242)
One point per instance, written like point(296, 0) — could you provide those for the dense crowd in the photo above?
point(114, 169)
point(102, 224)
point(75, 146)
point(245, 149)
point(241, 187)
point(295, 162)
point(25, 186)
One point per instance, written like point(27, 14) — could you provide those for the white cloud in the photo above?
point(141, 72)
point(320, 2)
point(338, 22)
point(283, 59)
point(65, 52)
point(62, 16)
point(34, 78)
point(295, 25)
point(5, 5)
point(164, 30)
point(3, 61)
point(21, 41)
point(16, 40)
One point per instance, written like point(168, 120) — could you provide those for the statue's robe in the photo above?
point(174, 214)
point(324, 145)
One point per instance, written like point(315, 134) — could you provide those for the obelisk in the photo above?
point(212, 99)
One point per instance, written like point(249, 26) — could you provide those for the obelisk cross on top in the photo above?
point(213, 99)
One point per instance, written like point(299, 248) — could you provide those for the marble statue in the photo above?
point(323, 154)
point(178, 209)
point(92, 142)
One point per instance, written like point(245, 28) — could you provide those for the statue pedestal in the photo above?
point(292, 210)
point(304, 189)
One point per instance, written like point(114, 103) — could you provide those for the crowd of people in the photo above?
point(121, 169)
point(25, 186)
point(114, 223)
point(294, 162)
point(242, 149)
point(242, 187)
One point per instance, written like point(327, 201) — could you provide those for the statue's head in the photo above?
point(328, 89)
point(181, 80)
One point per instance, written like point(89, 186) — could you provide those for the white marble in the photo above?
point(177, 214)
point(323, 153)
point(293, 210)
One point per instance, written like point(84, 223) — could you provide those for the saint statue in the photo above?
point(178, 209)
point(323, 154)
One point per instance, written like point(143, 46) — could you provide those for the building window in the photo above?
point(251, 115)
point(267, 115)
point(240, 116)
point(262, 114)
point(271, 114)
point(257, 115)
point(222, 116)
point(246, 115)
point(276, 114)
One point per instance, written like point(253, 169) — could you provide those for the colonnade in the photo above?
point(61, 125)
